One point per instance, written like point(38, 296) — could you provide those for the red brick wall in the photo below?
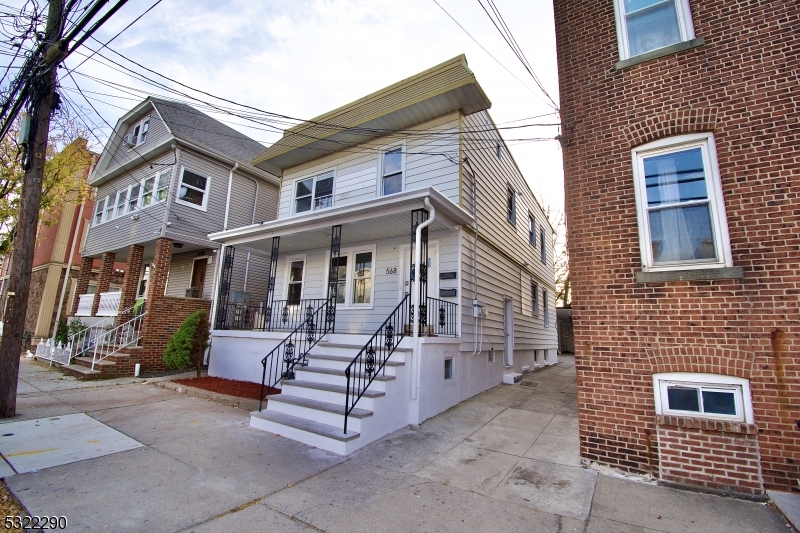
point(130, 281)
point(742, 86)
point(104, 280)
point(164, 314)
point(716, 455)
point(84, 277)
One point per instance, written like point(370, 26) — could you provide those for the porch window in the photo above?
point(362, 278)
point(99, 206)
point(163, 185)
point(341, 285)
point(122, 198)
point(393, 171)
point(143, 283)
point(314, 193)
point(193, 189)
point(147, 191)
point(133, 197)
point(294, 292)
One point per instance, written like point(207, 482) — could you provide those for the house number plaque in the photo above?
point(392, 270)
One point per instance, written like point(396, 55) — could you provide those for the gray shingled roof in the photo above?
point(191, 125)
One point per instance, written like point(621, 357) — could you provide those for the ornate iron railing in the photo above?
point(373, 356)
point(294, 348)
point(260, 316)
point(441, 318)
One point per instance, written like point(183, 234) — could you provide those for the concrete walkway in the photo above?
point(507, 460)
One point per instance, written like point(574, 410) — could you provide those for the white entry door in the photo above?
point(508, 326)
point(405, 267)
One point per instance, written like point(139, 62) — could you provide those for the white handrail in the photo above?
point(83, 341)
point(118, 338)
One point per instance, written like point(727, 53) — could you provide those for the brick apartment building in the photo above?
point(681, 142)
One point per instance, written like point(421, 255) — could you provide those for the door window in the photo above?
point(295, 290)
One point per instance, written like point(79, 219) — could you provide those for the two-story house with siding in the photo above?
point(414, 178)
point(680, 145)
point(168, 176)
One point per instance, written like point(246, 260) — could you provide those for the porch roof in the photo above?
point(372, 219)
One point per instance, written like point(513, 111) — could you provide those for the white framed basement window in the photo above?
point(313, 192)
point(356, 277)
point(192, 189)
point(647, 25)
point(698, 395)
point(392, 170)
point(680, 209)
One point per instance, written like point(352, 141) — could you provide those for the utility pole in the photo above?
point(41, 104)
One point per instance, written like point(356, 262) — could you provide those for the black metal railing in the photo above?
point(373, 356)
point(440, 318)
point(294, 348)
point(282, 315)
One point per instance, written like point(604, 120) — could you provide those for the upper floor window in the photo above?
point(511, 205)
point(392, 171)
point(99, 207)
point(646, 25)
point(544, 248)
point(192, 189)
point(532, 230)
point(535, 297)
point(138, 133)
point(313, 193)
point(545, 308)
point(679, 204)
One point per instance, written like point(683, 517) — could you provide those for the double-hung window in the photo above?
point(679, 203)
point(647, 25)
point(147, 191)
point(162, 186)
point(99, 207)
point(535, 297)
point(294, 291)
point(122, 199)
point(143, 128)
point(355, 272)
point(109, 208)
point(511, 205)
point(392, 170)
point(703, 396)
point(542, 244)
point(192, 189)
point(314, 193)
point(532, 230)
point(133, 197)
point(545, 309)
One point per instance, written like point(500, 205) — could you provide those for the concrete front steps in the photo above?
point(310, 408)
point(120, 364)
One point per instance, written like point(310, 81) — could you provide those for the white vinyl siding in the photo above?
point(156, 132)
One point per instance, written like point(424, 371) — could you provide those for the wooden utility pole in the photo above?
point(41, 103)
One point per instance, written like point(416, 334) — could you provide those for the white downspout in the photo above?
point(416, 359)
point(228, 199)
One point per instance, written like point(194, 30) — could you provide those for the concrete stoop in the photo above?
point(310, 408)
point(120, 364)
point(788, 504)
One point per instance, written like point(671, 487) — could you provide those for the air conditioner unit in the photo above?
point(128, 139)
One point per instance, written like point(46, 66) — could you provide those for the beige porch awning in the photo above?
point(369, 220)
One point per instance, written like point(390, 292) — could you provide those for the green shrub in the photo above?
point(62, 332)
point(75, 326)
point(189, 344)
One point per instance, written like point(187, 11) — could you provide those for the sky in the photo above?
point(303, 58)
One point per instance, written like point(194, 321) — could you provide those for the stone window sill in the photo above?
point(697, 274)
point(708, 425)
point(661, 52)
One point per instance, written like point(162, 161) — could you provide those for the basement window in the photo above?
point(448, 369)
point(703, 396)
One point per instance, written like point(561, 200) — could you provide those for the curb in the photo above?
point(225, 399)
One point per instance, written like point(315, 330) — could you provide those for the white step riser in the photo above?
point(312, 439)
point(315, 415)
point(333, 379)
point(341, 365)
point(351, 352)
point(326, 396)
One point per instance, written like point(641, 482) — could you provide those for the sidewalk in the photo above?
point(507, 460)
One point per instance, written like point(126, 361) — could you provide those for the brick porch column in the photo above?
point(83, 281)
point(104, 279)
point(157, 325)
point(130, 282)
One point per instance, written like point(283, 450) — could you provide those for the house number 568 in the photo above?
point(392, 270)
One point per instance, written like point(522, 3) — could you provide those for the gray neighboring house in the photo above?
point(168, 177)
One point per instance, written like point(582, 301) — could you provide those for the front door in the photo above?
point(199, 276)
point(405, 269)
point(508, 326)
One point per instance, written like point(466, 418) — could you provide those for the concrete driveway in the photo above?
point(507, 460)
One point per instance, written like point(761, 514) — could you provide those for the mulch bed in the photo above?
point(232, 387)
point(9, 505)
